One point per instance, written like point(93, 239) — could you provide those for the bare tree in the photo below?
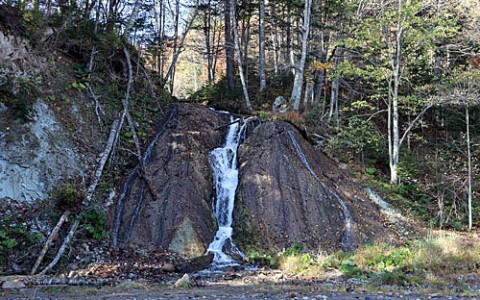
point(261, 42)
point(298, 82)
point(239, 56)
point(229, 53)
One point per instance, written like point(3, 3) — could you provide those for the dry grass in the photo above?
point(446, 253)
point(304, 263)
point(440, 253)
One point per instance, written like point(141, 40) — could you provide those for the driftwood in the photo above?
point(91, 190)
point(49, 241)
point(45, 280)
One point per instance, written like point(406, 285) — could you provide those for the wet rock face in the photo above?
point(173, 210)
point(279, 203)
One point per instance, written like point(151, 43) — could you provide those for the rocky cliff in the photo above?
point(170, 206)
point(279, 202)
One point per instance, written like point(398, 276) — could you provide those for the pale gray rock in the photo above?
point(13, 284)
point(36, 156)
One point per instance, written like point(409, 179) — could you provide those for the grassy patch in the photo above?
point(422, 261)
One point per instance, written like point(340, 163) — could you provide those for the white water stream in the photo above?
point(225, 171)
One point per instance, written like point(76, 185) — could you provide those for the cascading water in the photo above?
point(347, 238)
point(225, 171)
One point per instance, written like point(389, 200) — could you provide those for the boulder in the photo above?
point(184, 282)
point(280, 105)
point(171, 209)
point(13, 284)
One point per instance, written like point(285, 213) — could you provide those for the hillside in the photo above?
point(324, 142)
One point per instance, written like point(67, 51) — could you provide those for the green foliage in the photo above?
point(35, 24)
point(384, 258)
point(350, 269)
point(292, 251)
point(76, 86)
point(19, 94)
point(313, 117)
point(262, 259)
point(396, 277)
point(15, 234)
point(409, 196)
point(218, 96)
point(359, 137)
point(81, 72)
point(95, 224)
point(67, 196)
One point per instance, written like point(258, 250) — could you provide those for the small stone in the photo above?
point(183, 282)
point(14, 284)
point(168, 267)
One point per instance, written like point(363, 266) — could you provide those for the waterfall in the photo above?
point(225, 178)
point(347, 238)
point(225, 172)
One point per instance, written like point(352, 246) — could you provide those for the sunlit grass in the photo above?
point(446, 253)
point(424, 260)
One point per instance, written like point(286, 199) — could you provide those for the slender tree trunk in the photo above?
point(261, 42)
point(469, 162)
point(217, 49)
point(335, 88)
point(298, 83)
point(239, 56)
point(246, 41)
point(229, 52)
point(395, 112)
point(308, 92)
point(274, 37)
point(175, 44)
point(180, 46)
point(206, 30)
point(393, 169)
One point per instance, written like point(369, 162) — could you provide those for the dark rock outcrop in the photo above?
point(169, 207)
point(280, 203)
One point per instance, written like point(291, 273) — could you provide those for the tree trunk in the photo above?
point(261, 42)
point(180, 47)
point(469, 162)
point(229, 52)
point(395, 116)
point(298, 83)
point(275, 41)
point(239, 56)
point(208, 49)
point(335, 88)
point(245, 43)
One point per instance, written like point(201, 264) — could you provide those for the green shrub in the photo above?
point(15, 235)
point(313, 117)
point(262, 259)
point(19, 95)
point(95, 224)
point(292, 251)
point(67, 196)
